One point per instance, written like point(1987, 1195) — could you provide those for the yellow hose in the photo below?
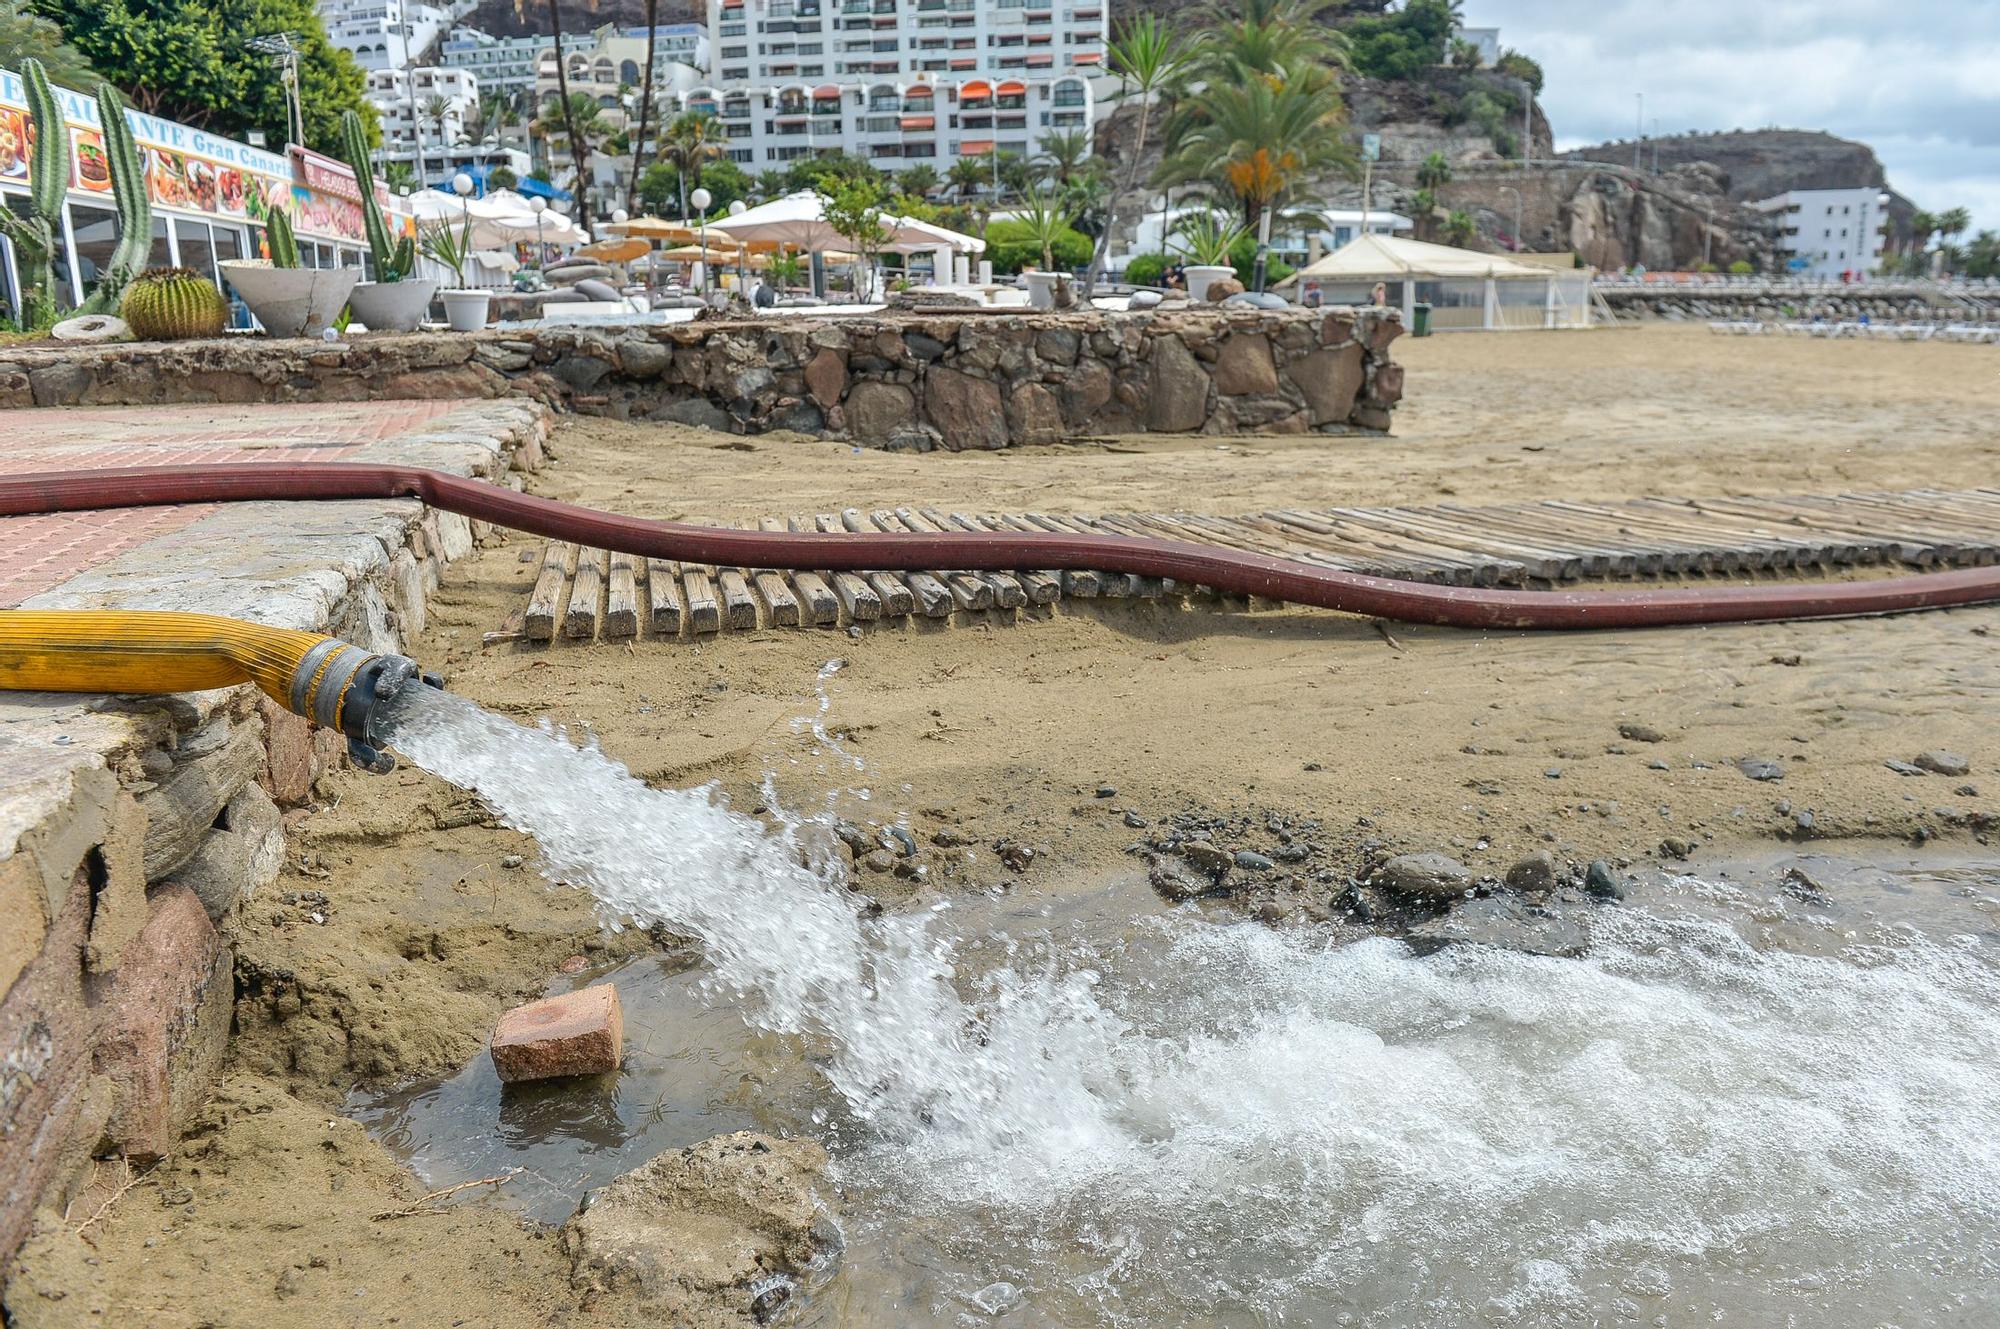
point(322, 678)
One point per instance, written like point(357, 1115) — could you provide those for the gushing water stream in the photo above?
point(1719, 1111)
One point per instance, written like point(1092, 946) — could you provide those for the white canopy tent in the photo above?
point(1465, 289)
point(798, 221)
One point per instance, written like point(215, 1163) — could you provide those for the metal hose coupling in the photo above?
point(344, 687)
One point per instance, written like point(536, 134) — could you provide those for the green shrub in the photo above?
point(1243, 257)
point(1515, 65)
point(1742, 267)
point(1146, 269)
point(1010, 246)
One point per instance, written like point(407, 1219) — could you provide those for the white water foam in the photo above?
point(1228, 1124)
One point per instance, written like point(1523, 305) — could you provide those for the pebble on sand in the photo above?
point(1938, 762)
point(1425, 876)
point(1760, 768)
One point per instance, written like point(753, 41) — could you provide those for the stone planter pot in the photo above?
point(466, 310)
point(1200, 277)
point(1042, 289)
point(397, 306)
point(291, 302)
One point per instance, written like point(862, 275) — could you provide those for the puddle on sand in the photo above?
point(1748, 1100)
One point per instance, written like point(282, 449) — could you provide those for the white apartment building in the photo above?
point(1825, 232)
point(387, 34)
point(611, 67)
point(400, 97)
point(504, 66)
point(896, 82)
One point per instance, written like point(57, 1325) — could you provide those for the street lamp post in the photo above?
point(1509, 189)
point(737, 209)
point(538, 205)
point(701, 198)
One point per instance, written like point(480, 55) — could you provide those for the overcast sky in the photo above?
point(1917, 80)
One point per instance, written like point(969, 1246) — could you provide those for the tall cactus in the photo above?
point(36, 231)
point(392, 261)
point(278, 235)
point(135, 210)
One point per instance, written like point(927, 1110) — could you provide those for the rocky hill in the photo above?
point(1759, 163)
point(521, 18)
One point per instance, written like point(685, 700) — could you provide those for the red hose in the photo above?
point(1229, 570)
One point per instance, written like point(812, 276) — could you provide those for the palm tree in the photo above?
point(918, 181)
point(578, 123)
point(579, 148)
point(1459, 229)
point(1260, 141)
point(1434, 172)
point(967, 176)
point(1046, 214)
point(691, 138)
point(1017, 174)
point(1271, 38)
point(1148, 59)
point(645, 109)
point(435, 111)
point(1063, 154)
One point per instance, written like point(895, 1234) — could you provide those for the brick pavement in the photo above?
point(37, 553)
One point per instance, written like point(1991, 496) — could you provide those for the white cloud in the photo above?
point(1917, 80)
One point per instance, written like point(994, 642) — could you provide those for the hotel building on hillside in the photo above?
point(899, 82)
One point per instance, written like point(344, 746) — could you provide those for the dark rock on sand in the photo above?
point(1944, 763)
point(1904, 767)
point(1535, 873)
point(1760, 768)
point(1599, 881)
point(1252, 861)
point(1177, 881)
point(1437, 877)
point(1207, 858)
point(1641, 733)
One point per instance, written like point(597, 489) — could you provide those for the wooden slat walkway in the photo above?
point(589, 594)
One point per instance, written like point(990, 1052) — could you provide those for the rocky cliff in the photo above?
point(522, 18)
point(1755, 164)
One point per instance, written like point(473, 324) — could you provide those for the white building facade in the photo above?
point(401, 97)
point(387, 34)
point(899, 82)
point(1827, 232)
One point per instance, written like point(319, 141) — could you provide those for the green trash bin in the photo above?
point(1423, 323)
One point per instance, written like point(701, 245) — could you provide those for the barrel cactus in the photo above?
point(173, 304)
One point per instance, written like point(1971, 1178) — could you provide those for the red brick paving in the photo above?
point(38, 553)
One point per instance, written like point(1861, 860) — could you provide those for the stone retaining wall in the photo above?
point(133, 829)
point(1891, 305)
point(953, 381)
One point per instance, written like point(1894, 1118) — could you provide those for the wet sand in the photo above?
point(1485, 746)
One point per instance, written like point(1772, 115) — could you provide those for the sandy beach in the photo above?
point(1358, 740)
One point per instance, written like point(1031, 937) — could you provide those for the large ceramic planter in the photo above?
point(291, 302)
point(466, 310)
point(397, 306)
point(1042, 289)
point(1201, 277)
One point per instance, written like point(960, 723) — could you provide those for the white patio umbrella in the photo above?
point(797, 220)
point(907, 235)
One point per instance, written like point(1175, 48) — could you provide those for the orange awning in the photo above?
point(1086, 57)
point(975, 147)
point(827, 92)
point(1012, 88)
point(974, 89)
point(920, 122)
point(1039, 38)
point(970, 63)
point(1045, 58)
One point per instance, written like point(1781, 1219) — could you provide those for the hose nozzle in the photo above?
point(344, 687)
